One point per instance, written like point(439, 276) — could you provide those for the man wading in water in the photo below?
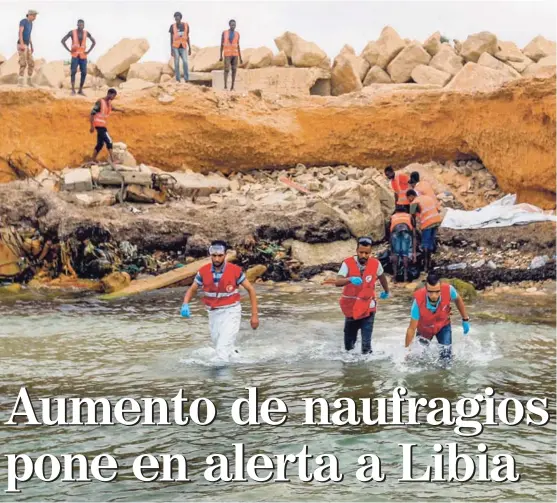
point(219, 282)
point(358, 275)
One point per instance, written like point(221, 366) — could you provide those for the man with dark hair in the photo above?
point(219, 282)
point(399, 184)
point(180, 46)
point(403, 240)
point(422, 188)
point(429, 219)
point(25, 47)
point(79, 52)
point(230, 46)
point(99, 121)
point(431, 315)
point(358, 275)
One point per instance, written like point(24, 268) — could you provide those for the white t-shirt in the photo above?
point(343, 271)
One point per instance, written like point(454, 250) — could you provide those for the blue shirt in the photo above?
point(231, 35)
point(27, 27)
point(217, 275)
point(415, 313)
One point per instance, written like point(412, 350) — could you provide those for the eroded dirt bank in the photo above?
point(512, 130)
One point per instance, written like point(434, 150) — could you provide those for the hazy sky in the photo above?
point(329, 24)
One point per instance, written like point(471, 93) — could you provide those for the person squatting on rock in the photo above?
point(230, 46)
point(79, 52)
point(180, 46)
point(431, 315)
point(399, 184)
point(99, 121)
point(25, 47)
point(403, 240)
point(358, 275)
point(428, 219)
point(219, 282)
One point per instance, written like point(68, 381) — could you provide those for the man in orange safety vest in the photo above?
point(230, 47)
point(99, 122)
point(79, 53)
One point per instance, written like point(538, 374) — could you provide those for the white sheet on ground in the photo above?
point(501, 213)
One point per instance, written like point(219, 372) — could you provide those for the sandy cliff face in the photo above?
point(512, 130)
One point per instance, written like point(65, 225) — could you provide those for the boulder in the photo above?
point(195, 184)
point(433, 44)
point(539, 48)
point(115, 281)
point(118, 59)
point(320, 253)
point(2, 59)
point(520, 66)
point(475, 77)
point(136, 85)
point(255, 272)
point(457, 46)
point(77, 180)
point(50, 75)
point(400, 68)
point(96, 198)
point(246, 54)
point(9, 71)
point(371, 53)
point(284, 44)
point(544, 68)
point(361, 66)
point(475, 45)
point(424, 74)
point(447, 61)
point(260, 58)
point(165, 78)
point(377, 75)
point(492, 62)
point(344, 78)
point(123, 157)
point(90, 82)
point(151, 71)
point(389, 45)
point(280, 59)
point(509, 51)
point(168, 69)
point(207, 60)
point(308, 54)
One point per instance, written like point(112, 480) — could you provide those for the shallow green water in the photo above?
point(140, 347)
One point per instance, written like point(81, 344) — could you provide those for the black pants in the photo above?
point(351, 328)
point(103, 138)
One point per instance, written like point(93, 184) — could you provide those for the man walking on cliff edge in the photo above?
point(230, 45)
point(99, 121)
point(79, 53)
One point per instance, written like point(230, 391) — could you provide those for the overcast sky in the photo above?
point(329, 24)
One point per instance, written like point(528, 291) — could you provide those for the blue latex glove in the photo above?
point(356, 281)
point(185, 311)
point(466, 327)
point(384, 295)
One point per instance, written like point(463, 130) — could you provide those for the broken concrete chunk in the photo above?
point(78, 180)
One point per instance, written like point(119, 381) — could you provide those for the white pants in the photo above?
point(224, 324)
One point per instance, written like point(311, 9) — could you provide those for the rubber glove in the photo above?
point(356, 281)
point(384, 295)
point(185, 311)
point(466, 327)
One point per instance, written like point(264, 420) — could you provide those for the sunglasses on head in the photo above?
point(364, 241)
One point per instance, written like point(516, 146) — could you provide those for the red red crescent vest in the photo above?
point(430, 323)
point(359, 301)
point(225, 292)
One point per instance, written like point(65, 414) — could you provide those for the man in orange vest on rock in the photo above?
point(431, 315)
point(422, 188)
point(358, 275)
point(399, 184)
point(219, 282)
point(79, 52)
point(403, 240)
point(99, 122)
point(230, 46)
point(430, 219)
point(180, 46)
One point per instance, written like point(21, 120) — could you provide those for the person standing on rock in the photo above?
point(431, 315)
point(230, 46)
point(399, 184)
point(180, 46)
point(429, 220)
point(99, 121)
point(25, 47)
point(358, 275)
point(403, 240)
point(79, 53)
point(422, 188)
point(219, 282)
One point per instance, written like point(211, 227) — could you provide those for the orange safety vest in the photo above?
point(78, 48)
point(400, 185)
point(401, 218)
point(225, 292)
point(359, 301)
point(101, 118)
point(178, 40)
point(431, 324)
point(429, 214)
point(231, 48)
